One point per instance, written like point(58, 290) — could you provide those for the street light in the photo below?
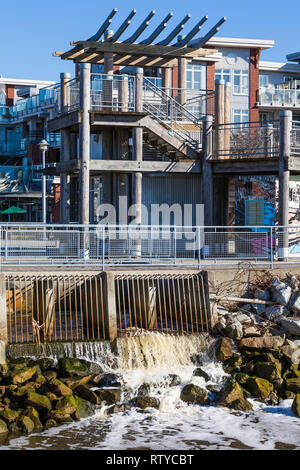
point(43, 148)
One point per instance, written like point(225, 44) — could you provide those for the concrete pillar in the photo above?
point(123, 94)
point(167, 80)
point(3, 317)
point(138, 147)
point(284, 178)
point(110, 312)
point(219, 117)
point(64, 92)
point(227, 117)
point(84, 143)
point(207, 176)
point(65, 178)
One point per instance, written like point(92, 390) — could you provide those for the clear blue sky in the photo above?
point(32, 30)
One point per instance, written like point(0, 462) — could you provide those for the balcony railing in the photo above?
point(18, 144)
point(279, 98)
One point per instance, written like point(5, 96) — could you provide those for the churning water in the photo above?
point(150, 359)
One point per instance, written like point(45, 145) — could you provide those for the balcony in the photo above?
point(279, 98)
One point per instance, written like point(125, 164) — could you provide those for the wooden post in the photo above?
point(65, 178)
point(284, 177)
point(219, 117)
point(108, 70)
point(123, 94)
point(64, 92)
point(138, 146)
point(46, 307)
point(166, 80)
point(109, 299)
point(227, 119)
point(182, 63)
point(3, 318)
point(207, 176)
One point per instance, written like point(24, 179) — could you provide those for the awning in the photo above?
point(14, 210)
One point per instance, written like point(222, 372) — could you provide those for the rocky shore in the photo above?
point(258, 345)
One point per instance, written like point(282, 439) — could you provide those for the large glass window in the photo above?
point(241, 82)
point(240, 116)
point(263, 81)
point(195, 76)
point(223, 74)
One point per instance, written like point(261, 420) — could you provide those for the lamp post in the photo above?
point(43, 148)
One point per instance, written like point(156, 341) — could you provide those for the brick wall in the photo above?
point(10, 94)
point(210, 85)
point(56, 204)
point(254, 84)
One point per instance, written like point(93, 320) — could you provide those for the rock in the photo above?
point(251, 331)
point(34, 416)
point(234, 330)
point(276, 312)
point(69, 367)
point(109, 380)
point(240, 377)
point(280, 292)
point(145, 402)
point(66, 406)
point(21, 376)
point(261, 343)
point(45, 364)
point(224, 349)
point(267, 370)
point(118, 409)
point(260, 388)
point(243, 318)
point(50, 374)
point(39, 402)
point(84, 392)
point(59, 388)
point(241, 404)
point(293, 385)
point(219, 326)
point(262, 294)
point(295, 303)
point(291, 351)
point(193, 394)
point(174, 380)
point(3, 427)
point(9, 415)
point(201, 373)
point(83, 408)
point(74, 382)
point(59, 417)
point(289, 395)
point(26, 424)
point(229, 393)
point(51, 396)
point(144, 390)
point(110, 396)
point(50, 423)
point(296, 405)
point(291, 325)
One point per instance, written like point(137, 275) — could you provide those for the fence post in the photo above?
point(271, 248)
point(109, 301)
point(3, 318)
point(284, 177)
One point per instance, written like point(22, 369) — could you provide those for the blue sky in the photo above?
point(32, 30)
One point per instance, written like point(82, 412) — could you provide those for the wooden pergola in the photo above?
point(146, 53)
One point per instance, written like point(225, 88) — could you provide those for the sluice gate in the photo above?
point(89, 307)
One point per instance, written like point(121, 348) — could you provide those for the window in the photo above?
point(263, 81)
point(241, 82)
point(195, 76)
point(223, 74)
point(240, 115)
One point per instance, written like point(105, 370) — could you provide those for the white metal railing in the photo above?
point(295, 138)
point(279, 97)
point(62, 245)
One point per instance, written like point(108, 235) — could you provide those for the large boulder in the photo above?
point(261, 294)
point(267, 370)
point(145, 402)
point(87, 394)
point(3, 427)
point(9, 415)
point(276, 312)
point(193, 394)
point(224, 349)
point(83, 408)
point(293, 384)
point(260, 388)
point(291, 325)
point(109, 396)
point(59, 388)
point(241, 404)
point(26, 424)
point(67, 406)
point(45, 363)
point(69, 367)
point(234, 330)
point(21, 375)
point(34, 416)
point(37, 401)
point(201, 373)
point(262, 343)
point(295, 303)
point(74, 382)
point(280, 292)
point(229, 393)
point(291, 351)
point(296, 405)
